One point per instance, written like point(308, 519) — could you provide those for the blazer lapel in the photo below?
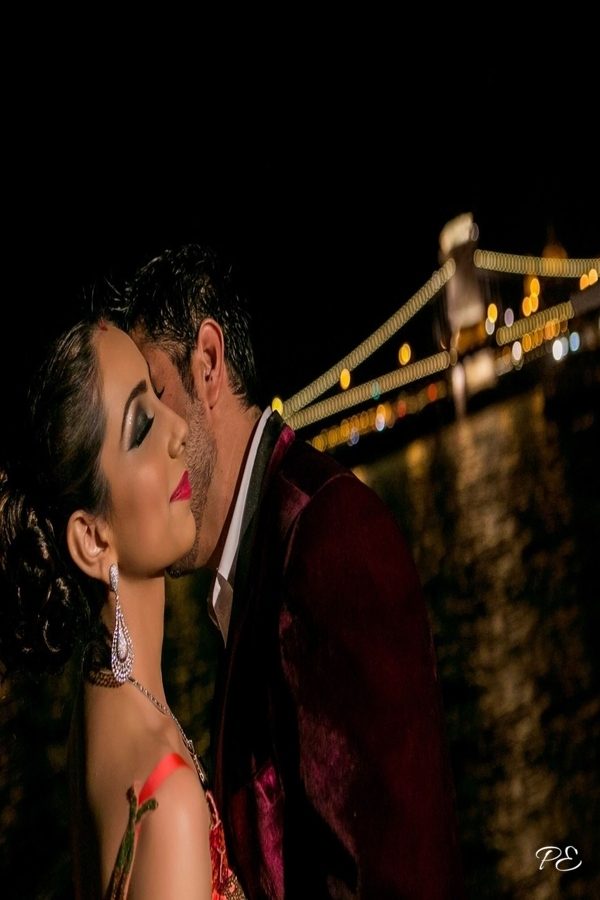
point(264, 454)
point(259, 478)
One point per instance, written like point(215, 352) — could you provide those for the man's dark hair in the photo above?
point(168, 298)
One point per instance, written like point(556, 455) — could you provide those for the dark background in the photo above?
point(323, 158)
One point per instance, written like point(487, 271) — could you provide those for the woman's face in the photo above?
point(143, 460)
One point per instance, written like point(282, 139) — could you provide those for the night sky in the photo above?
point(324, 177)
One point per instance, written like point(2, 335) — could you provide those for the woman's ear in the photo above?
point(88, 543)
point(208, 362)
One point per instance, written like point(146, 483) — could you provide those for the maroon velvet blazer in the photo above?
point(331, 770)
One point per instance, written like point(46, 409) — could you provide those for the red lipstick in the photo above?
point(183, 491)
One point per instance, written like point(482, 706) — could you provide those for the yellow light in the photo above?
point(492, 313)
point(593, 276)
point(534, 300)
point(277, 405)
point(344, 379)
point(319, 442)
point(404, 354)
point(534, 287)
point(526, 306)
point(584, 281)
point(527, 343)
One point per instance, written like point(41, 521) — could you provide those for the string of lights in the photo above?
point(559, 312)
point(512, 264)
point(300, 410)
point(424, 368)
point(365, 349)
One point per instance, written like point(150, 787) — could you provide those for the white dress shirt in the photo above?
point(221, 597)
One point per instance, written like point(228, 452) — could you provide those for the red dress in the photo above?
point(225, 885)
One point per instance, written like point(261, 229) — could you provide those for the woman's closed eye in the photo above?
point(143, 424)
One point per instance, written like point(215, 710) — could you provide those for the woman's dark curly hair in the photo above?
point(47, 605)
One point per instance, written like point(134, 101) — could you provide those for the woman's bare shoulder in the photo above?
point(122, 751)
point(173, 853)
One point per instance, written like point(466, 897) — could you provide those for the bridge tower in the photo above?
point(465, 313)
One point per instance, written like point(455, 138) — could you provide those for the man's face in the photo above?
point(201, 451)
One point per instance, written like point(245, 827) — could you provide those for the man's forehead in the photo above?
point(164, 373)
point(155, 355)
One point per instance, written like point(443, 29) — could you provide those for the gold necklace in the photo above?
point(166, 711)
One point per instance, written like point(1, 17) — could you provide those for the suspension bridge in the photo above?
point(495, 313)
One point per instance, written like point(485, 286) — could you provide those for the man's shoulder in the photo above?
point(309, 469)
point(298, 477)
point(302, 476)
point(325, 505)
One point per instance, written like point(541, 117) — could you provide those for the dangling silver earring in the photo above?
point(121, 654)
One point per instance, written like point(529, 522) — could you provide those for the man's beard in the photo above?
point(201, 458)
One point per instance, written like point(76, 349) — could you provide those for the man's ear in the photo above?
point(208, 362)
point(88, 540)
